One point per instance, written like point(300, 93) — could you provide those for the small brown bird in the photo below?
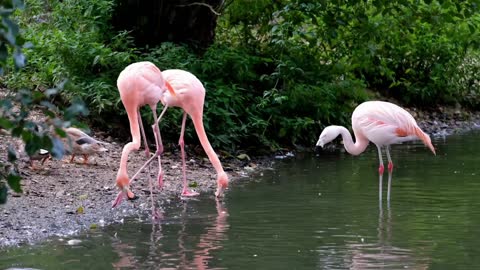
point(79, 143)
point(41, 155)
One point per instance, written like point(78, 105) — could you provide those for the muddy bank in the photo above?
point(62, 198)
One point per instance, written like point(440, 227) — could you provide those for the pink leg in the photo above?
point(160, 171)
point(147, 150)
point(390, 171)
point(380, 173)
point(185, 192)
point(155, 213)
point(158, 141)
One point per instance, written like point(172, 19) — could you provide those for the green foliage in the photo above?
point(279, 70)
point(407, 49)
point(15, 118)
point(71, 39)
point(10, 38)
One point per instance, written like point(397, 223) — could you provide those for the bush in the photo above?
point(278, 72)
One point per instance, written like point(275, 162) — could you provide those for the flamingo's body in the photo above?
point(190, 96)
point(382, 123)
point(139, 84)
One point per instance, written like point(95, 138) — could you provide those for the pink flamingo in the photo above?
point(190, 96)
point(139, 84)
point(382, 123)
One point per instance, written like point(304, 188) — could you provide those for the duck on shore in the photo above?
point(79, 143)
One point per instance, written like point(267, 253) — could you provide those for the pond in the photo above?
point(309, 212)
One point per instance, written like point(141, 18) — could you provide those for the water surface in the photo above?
point(310, 212)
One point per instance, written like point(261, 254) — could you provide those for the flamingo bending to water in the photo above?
point(382, 123)
point(139, 84)
point(190, 96)
point(143, 83)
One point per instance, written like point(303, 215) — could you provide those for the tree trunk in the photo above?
point(180, 21)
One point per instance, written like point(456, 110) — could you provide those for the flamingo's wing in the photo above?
point(385, 123)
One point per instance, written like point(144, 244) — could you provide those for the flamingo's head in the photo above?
point(222, 184)
point(123, 183)
point(328, 134)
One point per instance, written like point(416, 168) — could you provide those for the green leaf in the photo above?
point(58, 148)
point(3, 52)
point(5, 123)
point(3, 193)
point(17, 131)
point(80, 210)
point(20, 4)
point(193, 184)
point(12, 154)
point(50, 92)
point(13, 181)
point(33, 145)
point(60, 132)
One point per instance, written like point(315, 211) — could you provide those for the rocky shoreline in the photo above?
point(63, 199)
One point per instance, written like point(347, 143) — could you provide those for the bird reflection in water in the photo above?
point(190, 252)
point(383, 254)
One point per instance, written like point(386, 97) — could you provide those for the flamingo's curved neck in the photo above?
point(353, 148)
point(212, 156)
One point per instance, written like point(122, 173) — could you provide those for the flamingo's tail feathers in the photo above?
point(170, 88)
point(425, 138)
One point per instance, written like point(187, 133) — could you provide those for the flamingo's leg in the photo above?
point(390, 170)
point(158, 141)
point(185, 191)
point(380, 173)
point(159, 145)
point(160, 171)
point(161, 114)
point(142, 130)
point(155, 212)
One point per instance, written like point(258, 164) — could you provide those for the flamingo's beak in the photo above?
point(219, 192)
point(170, 88)
point(222, 184)
point(124, 193)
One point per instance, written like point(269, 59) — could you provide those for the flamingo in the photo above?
point(139, 84)
point(382, 123)
point(190, 96)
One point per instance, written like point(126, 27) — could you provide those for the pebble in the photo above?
point(73, 242)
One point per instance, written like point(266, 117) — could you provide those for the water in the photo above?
point(311, 212)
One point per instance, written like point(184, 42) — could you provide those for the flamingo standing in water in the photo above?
point(382, 123)
point(139, 84)
point(190, 96)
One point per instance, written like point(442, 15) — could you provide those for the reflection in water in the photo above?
point(127, 260)
point(184, 257)
point(311, 213)
point(211, 240)
point(383, 254)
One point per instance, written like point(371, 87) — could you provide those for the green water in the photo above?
point(310, 212)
